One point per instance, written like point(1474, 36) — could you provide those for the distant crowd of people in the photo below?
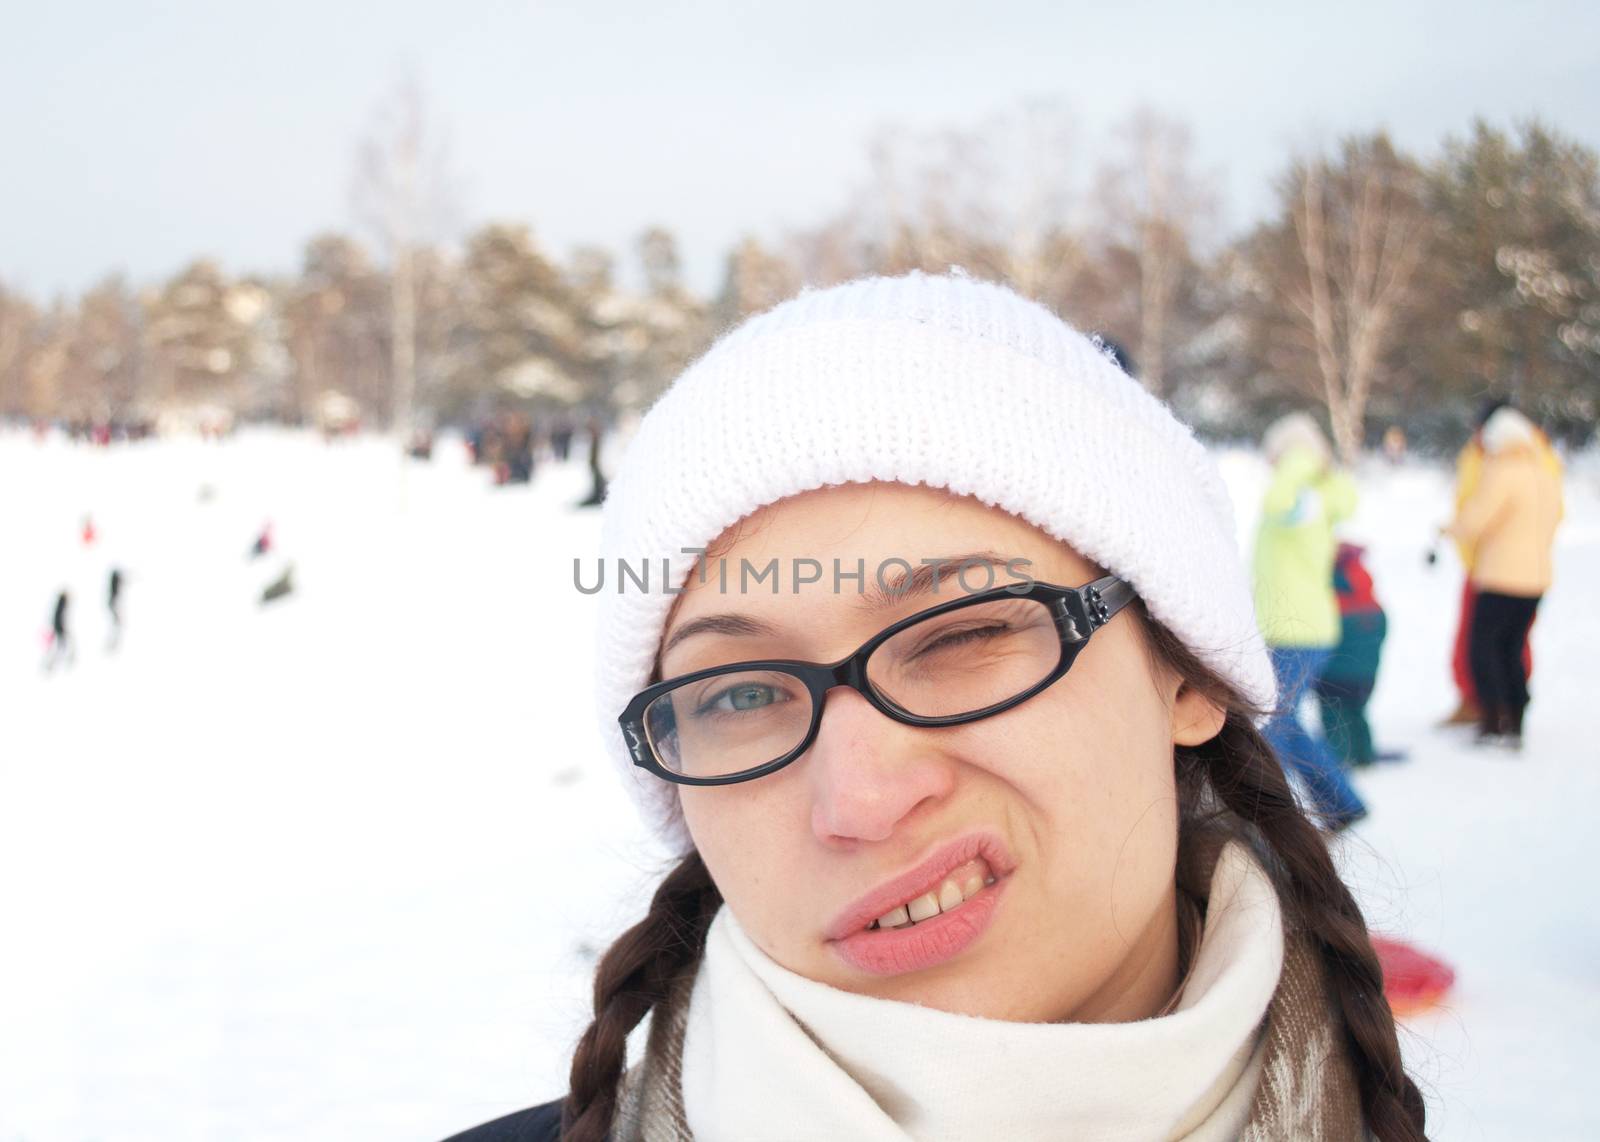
point(102, 432)
point(510, 443)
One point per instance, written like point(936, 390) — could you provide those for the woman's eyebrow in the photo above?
point(928, 577)
point(931, 576)
point(731, 624)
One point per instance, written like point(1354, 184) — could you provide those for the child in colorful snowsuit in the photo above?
point(1347, 680)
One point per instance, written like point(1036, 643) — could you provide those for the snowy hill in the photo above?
point(337, 867)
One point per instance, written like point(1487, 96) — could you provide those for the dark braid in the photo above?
point(634, 976)
point(1235, 785)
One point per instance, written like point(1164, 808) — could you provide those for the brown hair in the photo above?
point(1233, 785)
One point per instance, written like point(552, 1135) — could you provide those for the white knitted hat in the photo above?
point(942, 381)
point(1295, 430)
point(1506, 429)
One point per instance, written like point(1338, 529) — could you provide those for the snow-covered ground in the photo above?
point(338, 867)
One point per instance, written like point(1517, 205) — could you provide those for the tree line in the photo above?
point(1382, 289)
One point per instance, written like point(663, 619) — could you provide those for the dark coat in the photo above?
point(536, 1124)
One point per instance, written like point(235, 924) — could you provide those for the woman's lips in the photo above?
point(925, 944)
point(891, 951)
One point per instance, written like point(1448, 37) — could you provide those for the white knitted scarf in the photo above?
point(771, 1055)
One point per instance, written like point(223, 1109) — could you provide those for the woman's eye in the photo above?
point(747, 697)
point(953, 639)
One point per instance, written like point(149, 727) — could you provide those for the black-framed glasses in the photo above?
point(969, 658)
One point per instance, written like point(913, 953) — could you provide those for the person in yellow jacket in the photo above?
point(1297, 608)
point(1507, 526)
point(1469, 467)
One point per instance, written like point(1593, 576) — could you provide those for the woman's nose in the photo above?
point(869, 773)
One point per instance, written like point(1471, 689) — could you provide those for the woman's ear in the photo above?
point(1196, 719)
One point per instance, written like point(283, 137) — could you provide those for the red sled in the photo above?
point(1412, 979)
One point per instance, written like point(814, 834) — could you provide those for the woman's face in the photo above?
point(1066, 801)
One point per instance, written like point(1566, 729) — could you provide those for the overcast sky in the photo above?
point(137, 136)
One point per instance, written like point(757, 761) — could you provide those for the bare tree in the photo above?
point(335, 324)
point(1155, 210)
point(755, 278)
point(403, 194)
point(1000, 200)
point(1335, 274)
point(1025, 191)
point(104, 367)
point(1513, 300)
point(19, 321)
point(203, 337)
point(672, 324)
point(45, 363)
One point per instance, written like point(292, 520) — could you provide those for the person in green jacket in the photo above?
point(1295, 603)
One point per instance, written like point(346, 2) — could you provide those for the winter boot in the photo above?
point(1491, 726)
point(1465, 714)
point(1511, 729)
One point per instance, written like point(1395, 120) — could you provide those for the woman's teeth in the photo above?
point(950, 895)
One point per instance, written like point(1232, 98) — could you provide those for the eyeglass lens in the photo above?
point(960, 662)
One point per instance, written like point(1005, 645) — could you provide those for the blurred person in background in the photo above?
point(1011, 861)
point(262, 544)
point(1469, 469)
point(1507, 527)
point(1347, 680)
point(1295, 602)
point(519, 450)
point(114, 606)
point(597, 477)
point(281, 586)
point(561, 438)
point(1394, 445)
point(60, 649)
point(477, 434)
point(507, 444)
